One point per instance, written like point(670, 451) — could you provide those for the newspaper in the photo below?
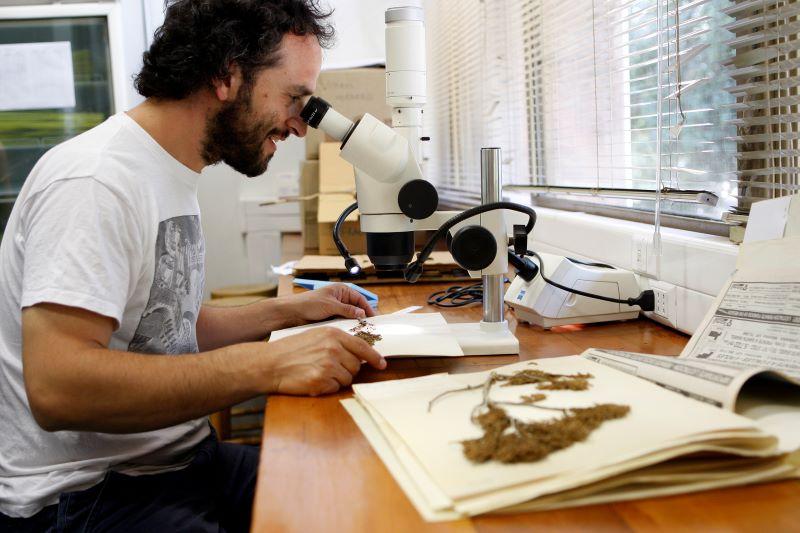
point(770, 398)
point(755, 321)
point(710, 383)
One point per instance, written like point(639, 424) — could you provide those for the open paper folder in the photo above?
point(417, 334)
point(667, 443)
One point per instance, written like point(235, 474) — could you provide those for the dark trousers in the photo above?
point(214, 493)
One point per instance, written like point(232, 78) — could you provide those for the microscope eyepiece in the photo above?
point(319, 114)
point(314, 111)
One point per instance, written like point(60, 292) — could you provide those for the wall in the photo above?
point(359, 32)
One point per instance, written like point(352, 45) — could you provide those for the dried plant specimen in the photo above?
point(510, 440)
point(533, 441)
point(365, 330)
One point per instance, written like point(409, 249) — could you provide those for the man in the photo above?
point(108, 363)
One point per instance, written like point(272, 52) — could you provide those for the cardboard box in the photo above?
point(352, 92)
point(309, 185)
point(330, 206)
point(336, 176)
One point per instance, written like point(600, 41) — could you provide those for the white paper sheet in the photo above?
point(417, 334)
point(767, 220)
point(36, 76)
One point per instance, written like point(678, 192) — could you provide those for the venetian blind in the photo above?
point(618, 95)
point(631, 94)
point(766, 66)
point(476, 79)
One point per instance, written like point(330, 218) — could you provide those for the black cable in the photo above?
point(414, 270)
point(589, 263)
point(645, 300)
point(458, 296)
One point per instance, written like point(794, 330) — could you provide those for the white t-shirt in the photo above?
point(109, 222)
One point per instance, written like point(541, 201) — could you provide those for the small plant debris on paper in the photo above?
point(510, 440)
point(365, 330)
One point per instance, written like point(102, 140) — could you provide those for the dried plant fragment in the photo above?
point(546, 380)
point(364, 330)
point(532, 398)
point(533, 441)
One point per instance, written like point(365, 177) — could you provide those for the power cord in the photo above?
point(646, 299)
point(458, 296)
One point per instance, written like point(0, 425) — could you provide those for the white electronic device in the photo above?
point(546, 305)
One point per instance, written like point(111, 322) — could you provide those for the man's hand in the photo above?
point(219, 327)
point(331, 301)
point(319, 361)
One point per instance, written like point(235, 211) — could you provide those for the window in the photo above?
point(630, 104)
point(476, 99)
point(27, 131)
point(766, 67)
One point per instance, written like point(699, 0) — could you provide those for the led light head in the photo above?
point(352, 266)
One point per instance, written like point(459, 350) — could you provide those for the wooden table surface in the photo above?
point(318, 473)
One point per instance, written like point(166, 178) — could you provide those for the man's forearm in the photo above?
point(223, 326)
point(123, 392)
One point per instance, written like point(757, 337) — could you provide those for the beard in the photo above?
point(237, 139)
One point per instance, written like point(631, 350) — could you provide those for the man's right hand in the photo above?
point(319, 361)
point(75, 382)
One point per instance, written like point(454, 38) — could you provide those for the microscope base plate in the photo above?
point(476, 339)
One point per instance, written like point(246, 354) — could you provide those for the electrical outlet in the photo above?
point(662, 307)
point(666, 303)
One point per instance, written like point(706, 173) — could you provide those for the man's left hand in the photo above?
point(336, 300)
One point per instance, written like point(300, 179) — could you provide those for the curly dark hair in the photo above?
point(200, 39)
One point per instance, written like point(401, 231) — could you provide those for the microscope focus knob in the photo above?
point(418, 199)
point(473, 247)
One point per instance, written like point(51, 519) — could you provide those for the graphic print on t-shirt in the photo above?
point(168, 320)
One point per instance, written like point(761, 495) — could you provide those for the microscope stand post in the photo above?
point(491, 335)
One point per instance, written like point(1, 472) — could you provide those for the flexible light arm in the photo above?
point(414, 270)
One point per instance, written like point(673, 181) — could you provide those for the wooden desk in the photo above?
point(319, 474)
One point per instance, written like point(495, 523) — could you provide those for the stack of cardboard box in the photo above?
point(352, 92)
point(337, 183)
